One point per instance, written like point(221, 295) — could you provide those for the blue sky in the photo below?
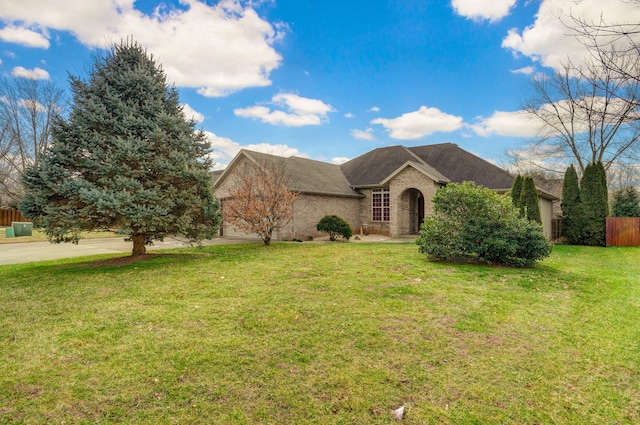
point(323, 79)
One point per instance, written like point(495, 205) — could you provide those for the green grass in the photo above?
point(321, 334)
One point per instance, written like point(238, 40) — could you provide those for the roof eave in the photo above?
point(341, 195)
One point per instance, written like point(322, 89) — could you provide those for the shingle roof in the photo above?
point(375, 166)
point(306, 175)
point(446, 161)
point(310, 176)
point(458, 165)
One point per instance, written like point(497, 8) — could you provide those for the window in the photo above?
point(380, 205)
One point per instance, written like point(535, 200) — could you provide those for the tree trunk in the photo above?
point(139, 247)
point(267, 237)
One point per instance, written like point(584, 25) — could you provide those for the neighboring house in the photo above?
point(552, 186)
point(385, 191)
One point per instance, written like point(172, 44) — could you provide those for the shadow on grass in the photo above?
point(544, 274)
point(149, 260)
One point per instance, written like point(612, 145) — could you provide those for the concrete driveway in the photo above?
point(17, 253)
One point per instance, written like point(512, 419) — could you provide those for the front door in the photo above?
point(416, 210)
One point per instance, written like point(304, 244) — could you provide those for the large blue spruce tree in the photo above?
point(125, 160)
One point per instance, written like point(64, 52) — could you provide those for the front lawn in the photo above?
point(309, 333)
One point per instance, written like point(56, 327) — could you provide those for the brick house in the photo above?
point(385, 191)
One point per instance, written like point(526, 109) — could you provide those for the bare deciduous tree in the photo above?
point(615, 46)
point(589, 110)
point(27, 107)
point(260, 200)
point(588, 113)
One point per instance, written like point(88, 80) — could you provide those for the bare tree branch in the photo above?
point(27, 107)
point(587, 112)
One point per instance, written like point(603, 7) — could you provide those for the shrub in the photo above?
point(529, 203)
point(516, 190)
point(625, 203)
point(595, 205)
point(572, 220)
point(473, 224)
point(335, 226)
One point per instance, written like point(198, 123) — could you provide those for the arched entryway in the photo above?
point(411, 211)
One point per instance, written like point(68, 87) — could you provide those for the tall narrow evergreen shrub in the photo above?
point(516, 190)
point(595, 206)
point(605, 187)
point(529, 201)
point(572, 222)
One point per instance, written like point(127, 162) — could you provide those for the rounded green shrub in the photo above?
point(335, 226)
point(473, 224)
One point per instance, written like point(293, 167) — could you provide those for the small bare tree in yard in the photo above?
point(260, 201)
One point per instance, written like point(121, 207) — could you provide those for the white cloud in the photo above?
point(524, 124)
point(191, 113)
point(347, 115)
point(301, 111)
point(548, 39)
point(23, 36)
point(302, 105)
point(492, 11)
point(217, 49)
point(224, 149)
point(527, 70)
point(280, 150)
point(363, 134)
point(32, 105)
point(268, 116)
point(32, 74)
point(339, 160)
point(374, 109)
point(535, 158)
point(423, 122)
point(514, 124)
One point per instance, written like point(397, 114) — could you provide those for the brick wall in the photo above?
point(368, 225)
point(308, 210)
point(401, 205)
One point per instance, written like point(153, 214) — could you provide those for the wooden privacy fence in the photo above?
point(556, 229)
point(9, 216)
point(623, 231)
